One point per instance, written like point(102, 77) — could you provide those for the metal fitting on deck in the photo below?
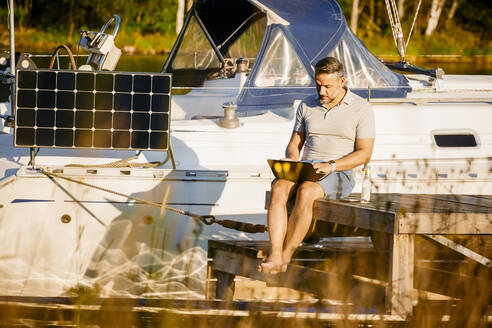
point(229, 121)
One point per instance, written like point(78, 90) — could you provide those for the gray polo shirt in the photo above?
point(331, 133)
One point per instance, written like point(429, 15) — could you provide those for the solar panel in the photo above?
point(100, 110)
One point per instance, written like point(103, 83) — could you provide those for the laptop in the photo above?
point(294, 170)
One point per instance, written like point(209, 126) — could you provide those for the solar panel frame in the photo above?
point(92, 110)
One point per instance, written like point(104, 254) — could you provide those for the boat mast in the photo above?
point(12, 51)
point(396, 28)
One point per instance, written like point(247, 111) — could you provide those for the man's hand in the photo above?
point(323, 168)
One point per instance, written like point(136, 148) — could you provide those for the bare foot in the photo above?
point(272, 265)
point(286, 257)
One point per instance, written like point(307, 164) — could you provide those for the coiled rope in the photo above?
point(199, 219)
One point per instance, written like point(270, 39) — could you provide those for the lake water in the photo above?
point(451, 65)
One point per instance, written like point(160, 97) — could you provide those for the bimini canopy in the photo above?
point(283, 40)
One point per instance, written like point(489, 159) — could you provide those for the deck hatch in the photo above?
point(100, 110)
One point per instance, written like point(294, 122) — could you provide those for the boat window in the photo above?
point(195, 51)
point(362, 69)
point(455, 140)
point(249, 42)
point(280, 66)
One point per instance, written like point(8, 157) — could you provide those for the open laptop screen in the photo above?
point(294, 170)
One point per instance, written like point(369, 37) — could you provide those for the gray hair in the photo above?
point(329, 65)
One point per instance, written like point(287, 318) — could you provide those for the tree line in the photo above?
point(370, 16)
point(366, 17)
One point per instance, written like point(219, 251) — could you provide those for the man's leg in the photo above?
point(277, 224)
point(300, 218)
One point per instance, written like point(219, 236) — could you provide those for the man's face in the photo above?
point(329, 86)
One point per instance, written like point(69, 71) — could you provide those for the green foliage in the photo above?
point(148, 26)
point(475, 16)
point(144, 16)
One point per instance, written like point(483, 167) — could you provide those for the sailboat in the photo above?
point(118, 217)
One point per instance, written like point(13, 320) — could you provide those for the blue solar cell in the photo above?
point(141, 83)
point(26, 98)
point(85, 82)
point(140, 139)
point(45, 118)
point(103, 120)
point(83, 138)
point(104, 82)
point(64, 119)
point(84, 119)
point(104, 101)
point(160, 103)
point(26, 117)
point(123, 83)
point(158, 140)
point(121, 139)
point(161, 84)
point(64, 137)
point(159, 122)
point(45, 137)
point(47, 80)
point(45, 99)
point(65, 100)
point(121, 120)
point(140, 121)
point(26, 80)
point(65, 81)
point(141, 102)
point(24, 136)
point(122, 101)
point(84, 100)
point(102, 139)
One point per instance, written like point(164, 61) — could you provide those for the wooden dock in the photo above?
point(436, 246)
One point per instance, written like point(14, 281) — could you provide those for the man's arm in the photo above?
point(361, 155)
point(293, 150)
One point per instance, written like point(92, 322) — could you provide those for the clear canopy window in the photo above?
point(248, 43)
point(362, 69)
point(195, 51)
point(280, 65)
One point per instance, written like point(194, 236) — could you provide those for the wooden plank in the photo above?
point(428, 203)
point(447, 283)
point(461, 249)
point(400, 293)
point(225, 286)
point(444, 223)
point(333, 284)
point(352, 215)
point(484, 201)
point(422, 203)
point(211, 281)
point(412, 213)
point(247, 247)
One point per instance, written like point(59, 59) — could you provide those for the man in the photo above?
point(337, 130)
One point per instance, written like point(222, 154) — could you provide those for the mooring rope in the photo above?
point(204, 219)
point(125, 162)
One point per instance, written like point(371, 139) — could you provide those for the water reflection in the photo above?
point(458, 65)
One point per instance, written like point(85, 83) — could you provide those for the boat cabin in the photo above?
point(261, 53)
